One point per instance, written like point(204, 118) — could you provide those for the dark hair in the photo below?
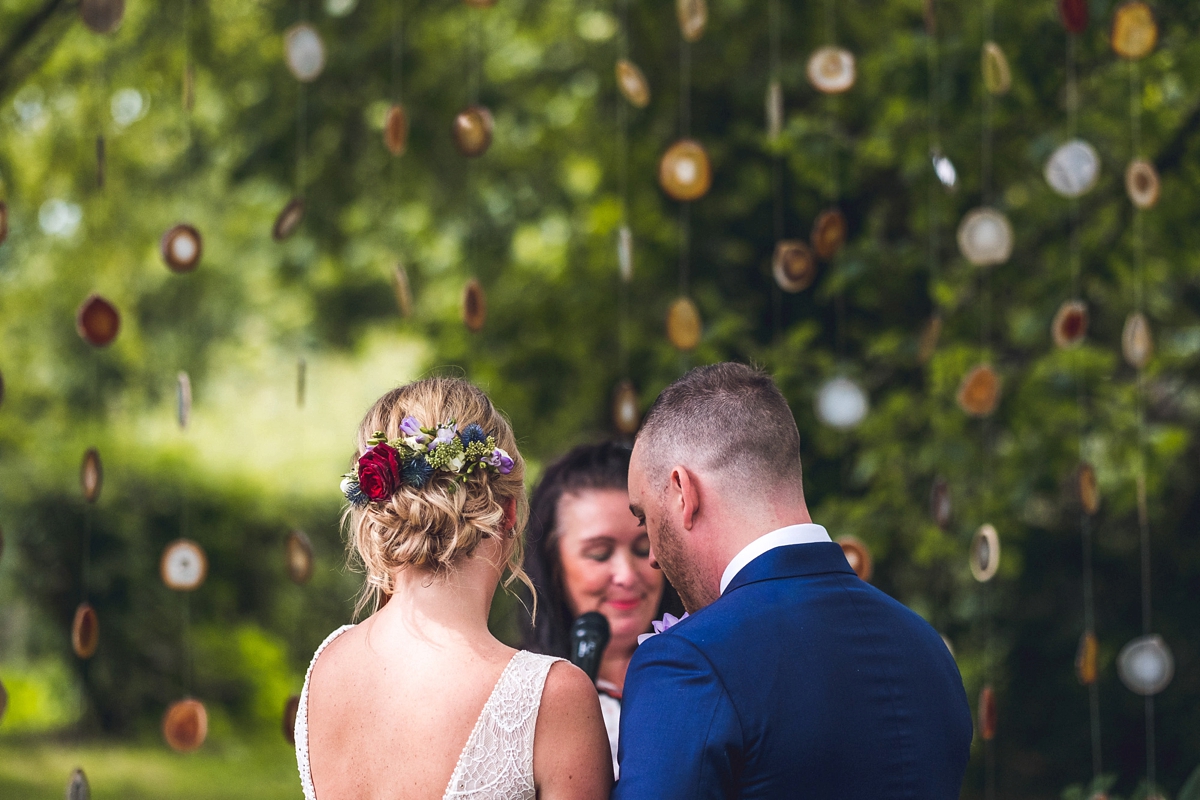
point(590, 466)
point(733, 418)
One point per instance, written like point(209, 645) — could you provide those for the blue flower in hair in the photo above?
point(353, 492)
point(472, 433)
point(417, 472)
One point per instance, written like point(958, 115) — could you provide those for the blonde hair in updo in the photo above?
point(434, 527)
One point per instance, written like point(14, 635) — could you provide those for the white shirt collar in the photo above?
point(808, 533)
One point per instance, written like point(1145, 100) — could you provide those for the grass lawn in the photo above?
point(264, 769)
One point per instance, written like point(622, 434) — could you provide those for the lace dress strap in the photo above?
point(301, 731)
point(497, 761)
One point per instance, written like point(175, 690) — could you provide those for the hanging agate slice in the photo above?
point(793, 266)
point(693, 18)
point(940, 507)
point(298, 557)
point(91, 475)
point(632, 83)
point(3, 222)
point(1086, 669)
point(985, 237)
point(1087, 489)
point(183, 400)
point(1074, 15)
point(828, 233)
point(979, 392)
point(304, 51)
point(625, 253)
point(987, 714)
point(85, 631)
point(183, 565)
point(928, 341)
point(684, 172)
point(1073, 168)
point(1142, 184)
point(683, 324)
point(98, 321)
point(102, 16)
point(185, 725)
point(858, 555)
point(943, 167)
point(1136, 343)
point(77, 786)
point(181, 247)
point(985, 553)
point(774, 105)
point(625, 414)
point(841, 403)
point(997, 77)
point(3, 700)
point(1070, 324)
point(831, 70)
point(1145, 665)
point(474, 306)
point(395, 130)
point(472, 131)
point(404, 300)
point(289, 219)
point(290, 709)
point(1134, 31)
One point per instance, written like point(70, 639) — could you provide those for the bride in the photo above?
point(420, 700)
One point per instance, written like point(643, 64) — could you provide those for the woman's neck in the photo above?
point(615, 663)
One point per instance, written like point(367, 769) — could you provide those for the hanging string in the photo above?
point(775, 27)
point(935, 139)
point(301, 120)
point(622, 147)
point(685, 126)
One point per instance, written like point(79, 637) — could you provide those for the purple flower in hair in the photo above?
point(445, 435)
point(501, 460)
point(410, 427)
point(668, 621)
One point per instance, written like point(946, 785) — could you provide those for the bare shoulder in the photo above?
point(571, 759)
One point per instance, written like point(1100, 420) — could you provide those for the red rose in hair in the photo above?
point(379, 472)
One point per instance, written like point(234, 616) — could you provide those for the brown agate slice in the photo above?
point(1070, 323)
point(181, 247)
point(1142, 184)
point(1074, 15)
point(793, 266)
point(997, 77)
point(3, 222)
point(979, 392)
point(940, 507)
point(625, 413)
point(858, 555)
point(831, 70)
point(395, 130)
point(693, 18)
point(1134, 31)
point(102, 16)
point(1136, 343)
point(183, 566)
point(683, 324)
point(632, 83)
point(1087, 489)
point(987, 714)
point(77, 786)
point(829, 233)
point(98, 321)
point(289, 219)
point(985, 553)
point(472, 131)
point(299, 557)
point(290, 709)
point(185, 725)
point(474, 306)
point(684, 172)
point(85, 631)
point(403, 291)
point(91, 475)
point(1085, 659)
point(928, 341)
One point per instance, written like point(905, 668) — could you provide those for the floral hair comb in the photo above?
point(412, 459)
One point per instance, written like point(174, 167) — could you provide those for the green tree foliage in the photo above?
point(535, 220)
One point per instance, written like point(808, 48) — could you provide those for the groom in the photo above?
point(791, 678)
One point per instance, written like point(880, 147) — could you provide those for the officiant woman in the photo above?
point(586, 552)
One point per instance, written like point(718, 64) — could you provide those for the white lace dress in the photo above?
point(497, 761)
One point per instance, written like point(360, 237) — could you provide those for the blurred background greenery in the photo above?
point(535, 220)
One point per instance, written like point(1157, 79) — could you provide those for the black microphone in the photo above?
point(589, 637)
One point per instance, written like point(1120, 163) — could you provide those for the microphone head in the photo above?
point(589, 637)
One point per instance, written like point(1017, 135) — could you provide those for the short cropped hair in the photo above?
point(729, 418)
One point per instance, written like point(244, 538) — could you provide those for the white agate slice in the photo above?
point(305, 51)
point(183, 566)
point(985, 237)
point(1145, 665)
point(831, 70)
point(943, 167)
point(625, 253)
point(1073, 168)
point(841, 403)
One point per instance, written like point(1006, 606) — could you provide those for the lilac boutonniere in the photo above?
point(660, 625)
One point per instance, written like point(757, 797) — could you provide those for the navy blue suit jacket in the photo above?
point(800, 681)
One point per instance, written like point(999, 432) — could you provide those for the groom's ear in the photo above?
point(687, 497)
